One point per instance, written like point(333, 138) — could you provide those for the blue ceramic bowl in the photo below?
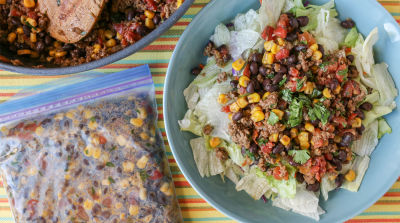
point(384, 166)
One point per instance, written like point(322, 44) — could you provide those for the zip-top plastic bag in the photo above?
point(87, 152)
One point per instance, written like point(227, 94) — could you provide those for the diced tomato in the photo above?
point(332, 67)
point(292, 85)
point(306, 36)
point(31, 206)
point(294, 72)
point(280, 32)
point(32, 15)
point(30, 127)
point(15, 13)
point(100, 41)
point(151, 5)
point(348, 89)
point(255, 135)
point(43, 164)
point(352, 116)
point(201, 66)
point(267, 148)
point(328, 156)
point(226, 109)
point(340, 121)
point(347, 50)
point(102, 140)
point(282, 54)
point(283, 21)
point(20, 125)
point(267, 33)
point(156, 175)
point(340, 76)
point(246, 71)
point(280, 173)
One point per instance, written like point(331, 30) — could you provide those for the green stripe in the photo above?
point(380, 213)
point(395, 13)
point(394, 190)
point(142, 61)
point(187, 196)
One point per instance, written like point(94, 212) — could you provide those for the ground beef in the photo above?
point(207, 129)
point(221, 154)
point(266, 129)
point(239, 134)
point(209, 49)
point(270, 102)
point(246, 122)
point(222, 55)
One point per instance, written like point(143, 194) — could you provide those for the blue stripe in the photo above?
point(159, 85)
point(170, 36)
point(188, 16)
point(6, 219)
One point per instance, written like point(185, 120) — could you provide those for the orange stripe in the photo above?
point(390, 3)
point(181, 184)
point(373, 220)
point(198, 209)
point(387, 203)
point(392, 194)
point(27, 77)
point(191, 200)
point(182, 23)
point(122, 66)
point(6, 94)
point(3, 200)
point(171, 160)
point(168, 39)
point(159, 47)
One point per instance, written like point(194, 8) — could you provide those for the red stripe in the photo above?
point(168, 39)
point(182, 23)
point(3, 200)
point(6, 94)
point(191, 200)
point(181, 184)
point(159, 47)
point(390, 3)
point(171, 161)
point(392, 194)
point(373, 220)
point(387, 203)
point(198, 209)
point(122, 66)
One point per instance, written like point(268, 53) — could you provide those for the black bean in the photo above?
point(333, 84)
point(348, 24)
point(315, 122)
point(48, 40)
point(299, 177)
point(262, 70)
point(278, 149)
point(320, 87)
point(15, 21)
point(141, 30)
point(360, 113)
point(27, 30)
point(40, 46)
point(337, 164)
point(130, 14)
point(253, 148)
point(366, 106)
point(347, 138)
point(321, 49)
point(254, 68)
point(68, 47)
point(286, 132)
point(339, 180)
point(277, 78)
point(303, 20)
point(300, 47)
point(256, 57)
point(313, 187)
point(86, 162)
point(42, 35)
point(294, 23)
point(342, 155)
point(237, 116)
point(266, 82)
point(156, 19)
point(282, 69)
point(250, 87)
point(257, 85)
point(196, 71)
point(293, 163)
point(292, 36)
point(350, 58)
point(234, 83)
point(271, 87)
point(292, 59)
point(361, 129)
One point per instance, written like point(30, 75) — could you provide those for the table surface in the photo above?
point(157, 55)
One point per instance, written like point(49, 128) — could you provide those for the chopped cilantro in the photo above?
point(304, 42)
point(273, 118)
point(93, 191)
point(306, 101)
point(111, 180)
point(143, 175)
point(319, 111)
point(93, 119)
point(113, 148)
point(271, 75)
point(262, 141)
point(69, 156)
point(110, 164)
point(250, 155)
point(324, 65)
point(14, 163)
point(282, 82)
point(40, 173)
point(315, 93)
point(299, 84)
point(343, 72)
point(296, 112)
point(287, 95)
point(300, 156)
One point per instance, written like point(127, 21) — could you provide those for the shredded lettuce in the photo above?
point(206, 160)
point(192, 123)
point(232, 171)
point(383, 127)
point(241, 41)
point(368, 141)
point(284, 188)
point(254, 185)
point(221, 35)
point(384, 84)
point(327, 186)
point(191, 95)
point(376, 112)
point(351, 38)
point(312, 11)
point(270, 11)
point(235, 153)
point(360, 166)
point(249, 20)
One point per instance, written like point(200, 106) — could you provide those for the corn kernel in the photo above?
point(179, 3)
point(24, 52)
point(242, 102)
point(133, 210)
point(244, 81)
point(141, 163)
point(214, 142)
point(257, 116)
point(327, 93)
point(92, 125)
point(316, 100)
point(166, 189)
point(337, 90)
point(281, 42)
point(34, 54)
point(238, 64)
point(265, 96)
point(29, 3)
point(274, 48)
point(128, 166)
point(118, 37)
point(317, 55)
point(223, 99)
point(273, 137)
point(31, 22)
point(149, 14)
point(11, 37)
point(256, 108)
point(3, 2)
point(314, 47)
point(52, 53)
point(309, 127)
point(285, 140)
point(350, 176)
point(96, 48)
point(57, 44)
point(304, 145)
point(309, 87)
point(20, 30)
point(88, 205)
point(61, 53)
point(118, 205)
point(234, 107)
point(356, 123)
point(121, 140)
point(138, 122)
point(33, 38)
point(269, 58)
point(88, 151)
point(111, 43)
point(337, 139)
point(268, 45)
point(303, 137)
point(144, 136)
point(108, 34)
point(96, 153)
point(294, 132)
point(279, 113)
point(142, 113)
point(253, 98)
point(149, 23)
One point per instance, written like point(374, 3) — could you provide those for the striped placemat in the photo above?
point(157, 55)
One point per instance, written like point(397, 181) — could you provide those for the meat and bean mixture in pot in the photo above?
point(102, 162)
point(294, 104)
point(122, 23)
